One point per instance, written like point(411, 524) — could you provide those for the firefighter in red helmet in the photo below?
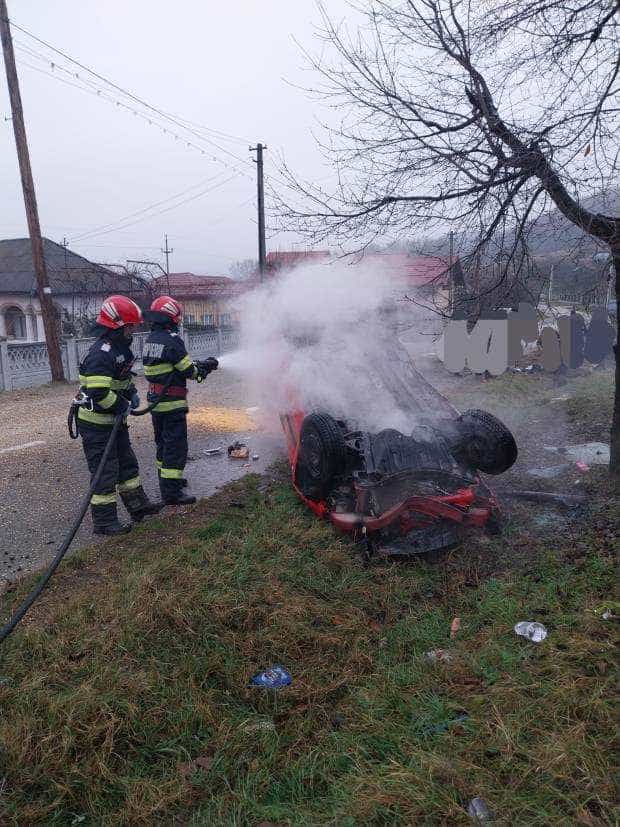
point(167, 366)
point(107, 389)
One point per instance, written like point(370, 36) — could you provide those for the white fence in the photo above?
point(26, 365)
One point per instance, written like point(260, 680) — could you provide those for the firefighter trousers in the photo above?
point(121, 467)
point(170, 431)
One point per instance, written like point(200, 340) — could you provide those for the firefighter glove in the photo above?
point(135, 400)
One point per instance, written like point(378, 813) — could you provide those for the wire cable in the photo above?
point(150, 119)
point(148, 207)
point(107, 81)
point(159, 212)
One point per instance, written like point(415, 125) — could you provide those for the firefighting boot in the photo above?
point(172, 492)
point(138, 504)
point(179, 499)
point(105, 520)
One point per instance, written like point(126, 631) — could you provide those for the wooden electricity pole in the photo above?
point(262, 256)
point(43, 288)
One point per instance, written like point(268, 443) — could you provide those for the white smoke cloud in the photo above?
point(321, 337)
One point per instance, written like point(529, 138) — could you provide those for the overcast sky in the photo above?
point(229, 66)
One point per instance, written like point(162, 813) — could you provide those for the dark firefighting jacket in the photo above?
point(166, 361)
point(106, 379)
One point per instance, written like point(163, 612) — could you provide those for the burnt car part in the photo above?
point(483, 441)
point(404, 494)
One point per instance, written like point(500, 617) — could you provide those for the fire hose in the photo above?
point(68, 539)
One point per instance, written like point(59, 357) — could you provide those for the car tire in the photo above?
point(485, 442)
point(321, 455)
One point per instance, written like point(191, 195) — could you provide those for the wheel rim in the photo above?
point(312, 456)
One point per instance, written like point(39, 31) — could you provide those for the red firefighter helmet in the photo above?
point(117, 311)
point(169, 307)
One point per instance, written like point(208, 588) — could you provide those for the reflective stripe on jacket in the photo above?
point(106, 379)
point(166, 360)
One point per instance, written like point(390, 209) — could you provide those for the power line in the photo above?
point(112, 84)
point(96, 91)
point(217, 220)
point(86, 236)
point(79, 236)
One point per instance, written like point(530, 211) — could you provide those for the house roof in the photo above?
point(413, 270)
point(192, 286)
point(67, 272)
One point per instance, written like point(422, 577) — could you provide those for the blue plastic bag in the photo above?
point(272, 678)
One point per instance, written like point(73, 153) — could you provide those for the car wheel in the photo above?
point(321, 455)
point(485, 442)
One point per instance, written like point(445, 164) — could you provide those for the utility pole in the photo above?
point(262, 256)
point(167, 252)
point(30, 201)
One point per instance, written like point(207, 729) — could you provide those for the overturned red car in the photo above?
point(400, 494)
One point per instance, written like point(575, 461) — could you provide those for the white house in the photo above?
point(78, 288)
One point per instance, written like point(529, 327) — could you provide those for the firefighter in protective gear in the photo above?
point(107, 389)
point(167, 366)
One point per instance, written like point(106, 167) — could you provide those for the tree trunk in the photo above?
point(614, 462)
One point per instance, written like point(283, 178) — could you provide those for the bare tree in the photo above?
point(243, 268)
point(476, 114)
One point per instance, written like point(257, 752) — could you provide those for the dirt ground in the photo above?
point(43, 475)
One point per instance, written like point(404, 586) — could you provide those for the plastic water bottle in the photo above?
point(272, 678)
point(479, 812)
point(532, 630)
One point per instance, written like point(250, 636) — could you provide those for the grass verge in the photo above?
point(124, 697)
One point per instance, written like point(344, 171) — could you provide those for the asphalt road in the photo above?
point(43, 474)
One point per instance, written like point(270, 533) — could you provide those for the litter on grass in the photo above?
point(264, 725)
point(581, 466)
point(531, 630)
point(479, 811)
point(607, 611)
point(444, 726)
point(595, 453)
point(272, 678)
point(438, 656)
point(455, 626)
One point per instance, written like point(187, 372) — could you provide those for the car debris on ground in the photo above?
point(568, 500)
point(238, 450)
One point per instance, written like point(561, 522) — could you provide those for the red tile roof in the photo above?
point(189, 285)
point(415, 270)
